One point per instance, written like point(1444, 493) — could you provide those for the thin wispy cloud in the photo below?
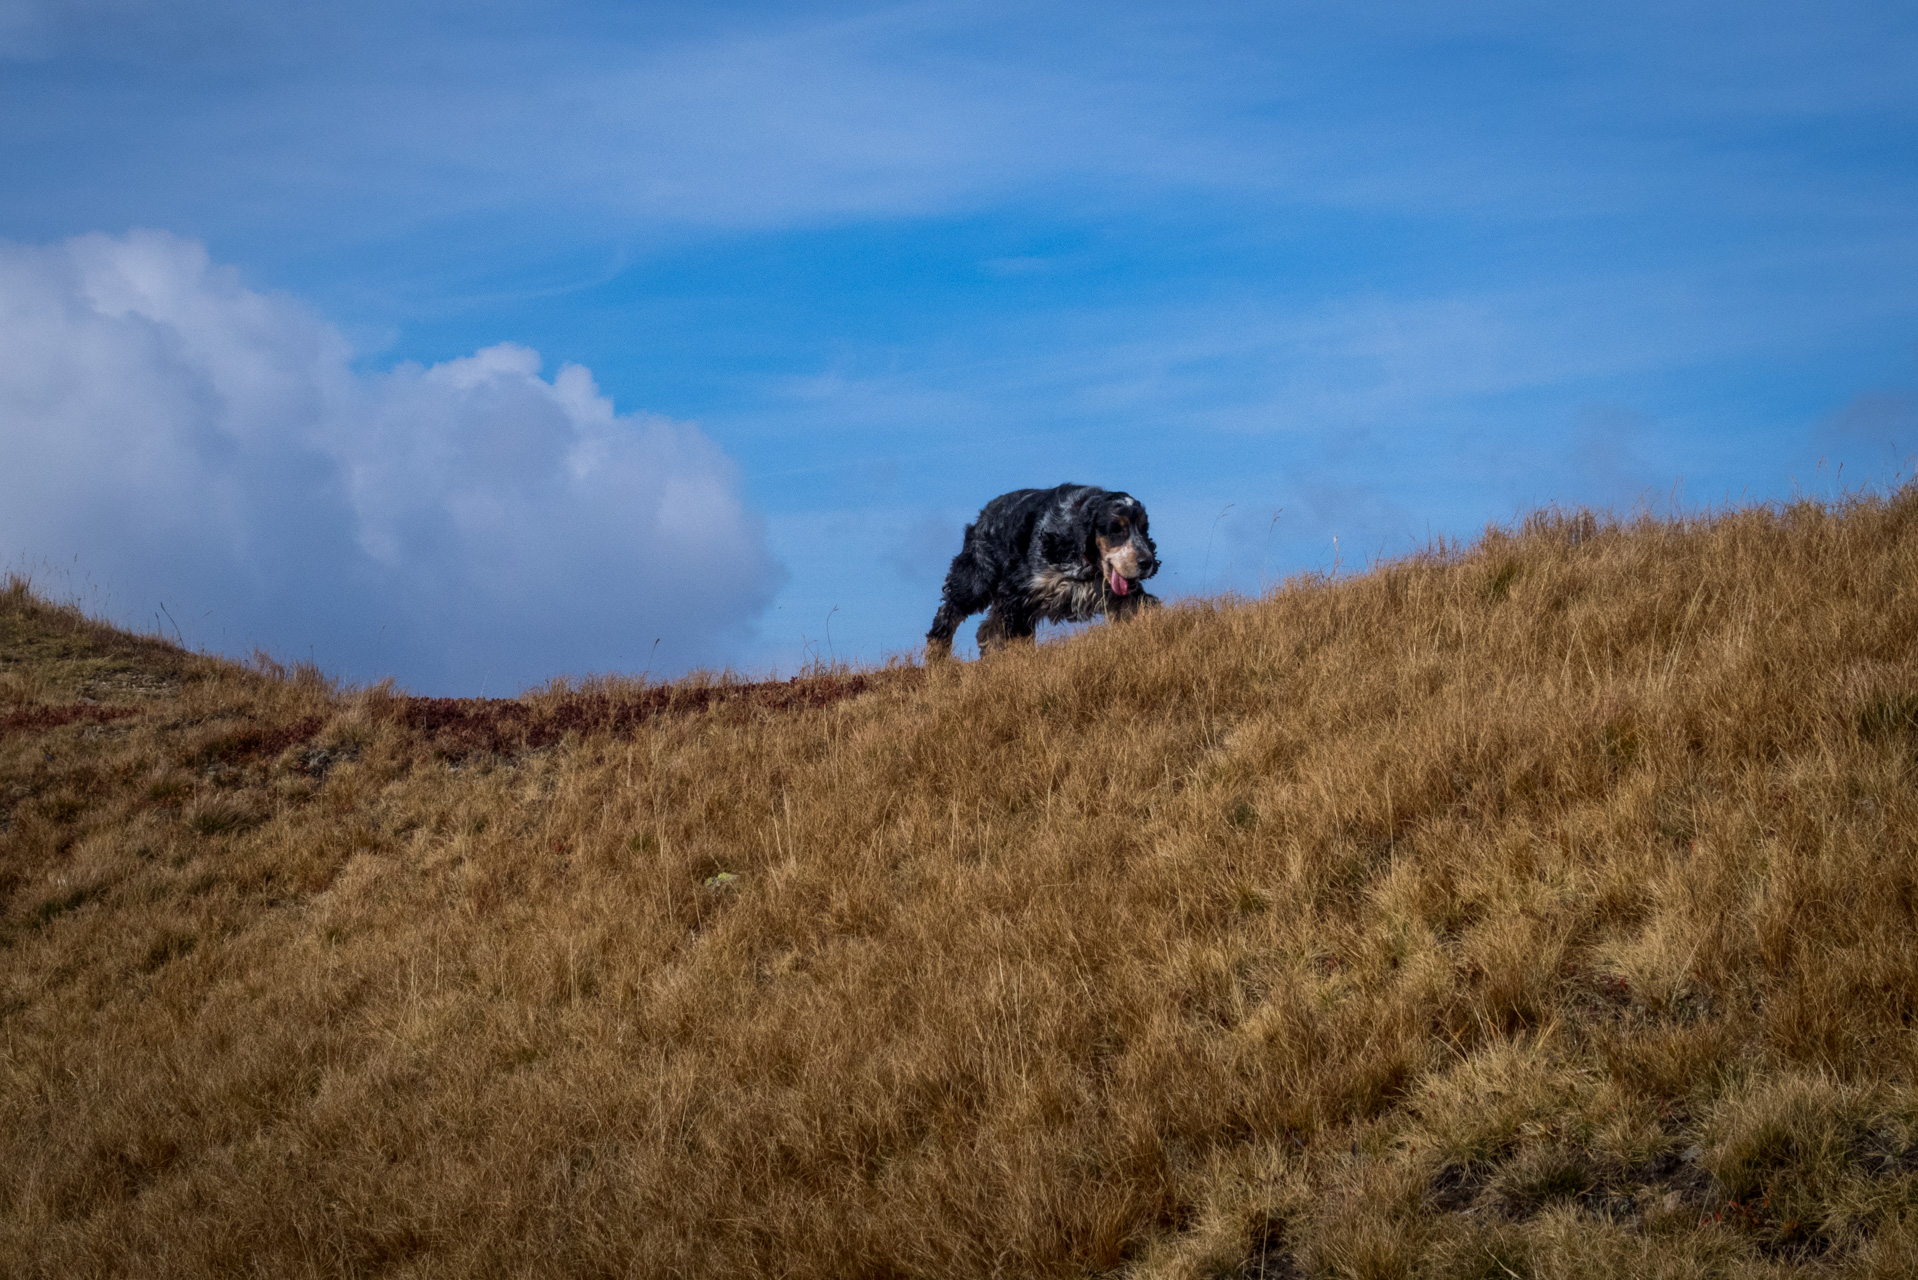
point(782, 117)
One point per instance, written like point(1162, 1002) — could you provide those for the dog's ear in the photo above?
point(1090, 515)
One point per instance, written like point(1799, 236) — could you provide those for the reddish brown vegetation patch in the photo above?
point(40, 719)
point(255, 742)
point(460, 727)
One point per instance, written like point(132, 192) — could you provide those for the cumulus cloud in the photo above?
point(195, 443)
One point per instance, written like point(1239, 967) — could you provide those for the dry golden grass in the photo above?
point(1539, 909)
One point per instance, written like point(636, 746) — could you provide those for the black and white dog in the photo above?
point(1046, 555)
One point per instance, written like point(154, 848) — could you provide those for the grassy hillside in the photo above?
point(1543, 908)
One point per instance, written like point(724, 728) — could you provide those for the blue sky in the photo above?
point(828, 277)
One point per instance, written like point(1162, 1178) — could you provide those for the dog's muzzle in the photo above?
point(1124, 566)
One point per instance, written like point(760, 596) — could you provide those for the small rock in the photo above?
point(1691, 1154)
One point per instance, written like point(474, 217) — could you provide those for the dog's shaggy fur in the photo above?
point(1067, 554)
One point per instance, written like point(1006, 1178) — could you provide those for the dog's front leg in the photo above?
point(1131, 605)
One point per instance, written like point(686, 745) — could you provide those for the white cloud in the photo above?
point(196, 443)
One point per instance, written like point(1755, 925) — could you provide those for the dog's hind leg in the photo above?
point(992, 632)
point(967, 591)
point(1007, 623)
point(944, 624)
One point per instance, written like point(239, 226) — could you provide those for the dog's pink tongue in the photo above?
point(1119, 586)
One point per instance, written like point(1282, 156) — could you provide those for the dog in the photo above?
point(1068, 554)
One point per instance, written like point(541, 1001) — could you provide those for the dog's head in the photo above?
point(1120, 545)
